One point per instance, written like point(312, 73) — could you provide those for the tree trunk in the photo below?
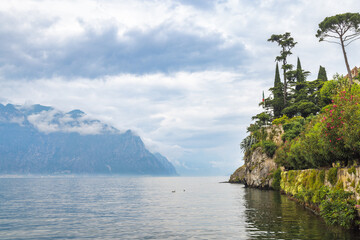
point(285, 85)
point(346, 61)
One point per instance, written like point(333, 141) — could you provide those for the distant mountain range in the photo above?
point(42, 140)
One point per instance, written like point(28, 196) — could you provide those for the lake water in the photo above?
point(146, 208)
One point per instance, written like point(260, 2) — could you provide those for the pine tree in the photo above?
point(322, 74)
point(286, 42)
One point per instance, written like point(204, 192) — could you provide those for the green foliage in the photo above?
point(299, 76)
point(344, 27)
point(269, 148)
point(339, 209)
point(305, 108)
point(247, 143)
point(336, 206)
point(262, 119)
point(322, 176)
point(286, 42)
point(322, 74)
point(332, 175)
point(290, 110)
point(277, 102)
point(253, 128)
point(328, 91)
point(292, 128)
point(335, 26)
point(302, 107)
point(320, 195)
point(332, 136)
point(276, 179)
point(352, 170)
point(280, 120)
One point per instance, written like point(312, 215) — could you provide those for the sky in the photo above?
point(184, 75)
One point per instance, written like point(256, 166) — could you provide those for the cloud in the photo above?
point(176, 114)
point(94, 53)
point(56, 121)
point(185, 75)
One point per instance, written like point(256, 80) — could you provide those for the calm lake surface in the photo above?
point(146, 208)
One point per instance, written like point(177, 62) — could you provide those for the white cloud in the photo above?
point(169, 111)
point(56, 121)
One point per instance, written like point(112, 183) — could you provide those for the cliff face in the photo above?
point(256, 172)
point(258, 168)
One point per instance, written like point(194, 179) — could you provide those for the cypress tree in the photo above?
point(300, 78)
point(277, 80)
point(322, 74)
point(277, 90)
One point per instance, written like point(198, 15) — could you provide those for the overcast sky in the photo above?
point(185, 75)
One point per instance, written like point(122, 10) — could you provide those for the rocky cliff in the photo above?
point(258, 168)
point(256, 172)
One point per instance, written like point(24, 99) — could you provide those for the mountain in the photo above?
point(43, 140)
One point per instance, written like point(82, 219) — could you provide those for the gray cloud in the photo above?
point(24, 54)
point(200, 4)
point(185, 75)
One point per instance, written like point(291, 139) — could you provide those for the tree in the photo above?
point(286, 42)
point(322, 74)
point(344, 27)
point(300, 76)
point(277, 91)
point(262, 119)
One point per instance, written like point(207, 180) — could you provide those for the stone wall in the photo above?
point(310, 180)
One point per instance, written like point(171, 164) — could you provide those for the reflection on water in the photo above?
point(147, 208)
point(270, 215)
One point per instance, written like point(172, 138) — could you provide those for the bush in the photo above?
point(247, 143)
point(293, 128)
point(320, 194)
point(332, 176)
point(352, 170)
point(280, 120)
point(276, 179)
point(269, 148)
point(327, 91)
point(339, 209)
point(333, 136)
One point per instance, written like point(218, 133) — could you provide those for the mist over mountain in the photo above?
point(42, 140)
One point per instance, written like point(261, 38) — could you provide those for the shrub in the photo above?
point(339, 209)
point(322, 176)
point(276, 179)
point(332, 176)
point(280, 120)
point(269, 148)
point(292, 128)
point(333, 136)
point(247, 143)
point(352, 170)
point(320, 195)
point(327, 91)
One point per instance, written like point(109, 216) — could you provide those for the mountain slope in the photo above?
point(40, 140)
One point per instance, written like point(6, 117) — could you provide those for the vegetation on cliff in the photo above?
point(320, 125)
point(331, 193)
